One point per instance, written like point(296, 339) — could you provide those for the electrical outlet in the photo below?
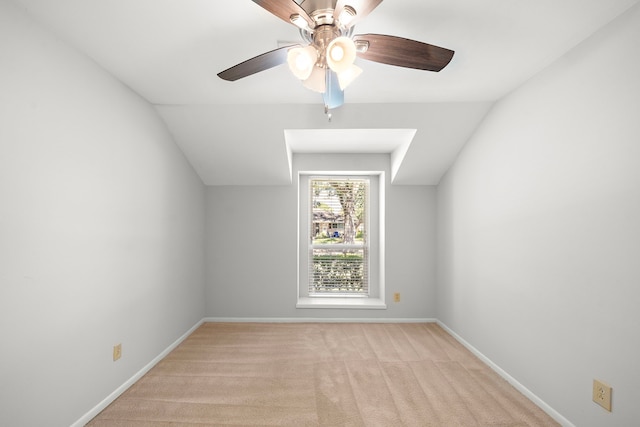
point(117, 352)
point(396, 297)
point(602, 394)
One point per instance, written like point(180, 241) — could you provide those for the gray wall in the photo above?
point(539, 230)
point(252, 250)
point(101, 231)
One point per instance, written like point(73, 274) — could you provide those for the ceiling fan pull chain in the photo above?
point(327, 112)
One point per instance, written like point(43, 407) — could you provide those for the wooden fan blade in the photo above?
point(255, 65)
point(362, 8)
point(404, 52)
point(284, 9)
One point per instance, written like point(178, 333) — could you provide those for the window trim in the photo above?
point(376, 299)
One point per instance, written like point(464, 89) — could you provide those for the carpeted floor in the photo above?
point(321, 374)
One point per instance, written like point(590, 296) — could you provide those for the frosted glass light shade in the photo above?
point(341, 53)
point(346, 77)
point(302, 61)
point(317, 81)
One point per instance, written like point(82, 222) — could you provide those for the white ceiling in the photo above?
point(170, 51)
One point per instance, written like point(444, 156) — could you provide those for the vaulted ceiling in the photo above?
point(233, 133)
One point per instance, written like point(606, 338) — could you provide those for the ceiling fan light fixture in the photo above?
point(302, 61)
point(317, 81)
point(337, 53)
point(341, 53)
point(347, 77)
point(326, 64)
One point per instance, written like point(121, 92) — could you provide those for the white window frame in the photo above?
point(376, 297)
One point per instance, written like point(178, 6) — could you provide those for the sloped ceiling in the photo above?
point(170, 51)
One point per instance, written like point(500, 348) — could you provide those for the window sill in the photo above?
point(337, 302)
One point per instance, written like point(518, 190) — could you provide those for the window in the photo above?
point(338, 245)
point(340, 230)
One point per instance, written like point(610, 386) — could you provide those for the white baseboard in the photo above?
point(313, 320)
point(113, 396)
point(517, 385)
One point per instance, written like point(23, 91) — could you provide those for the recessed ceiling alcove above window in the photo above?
point(394, 142)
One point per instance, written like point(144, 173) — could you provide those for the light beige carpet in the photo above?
point(321, 374)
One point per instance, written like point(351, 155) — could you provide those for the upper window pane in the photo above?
point(338, 211)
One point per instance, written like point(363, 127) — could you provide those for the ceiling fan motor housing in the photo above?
point(310, 6)
point(322, 36)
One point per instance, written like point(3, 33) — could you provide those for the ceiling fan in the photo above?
point(325, 62)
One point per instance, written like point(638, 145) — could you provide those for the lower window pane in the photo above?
point(340, 271)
